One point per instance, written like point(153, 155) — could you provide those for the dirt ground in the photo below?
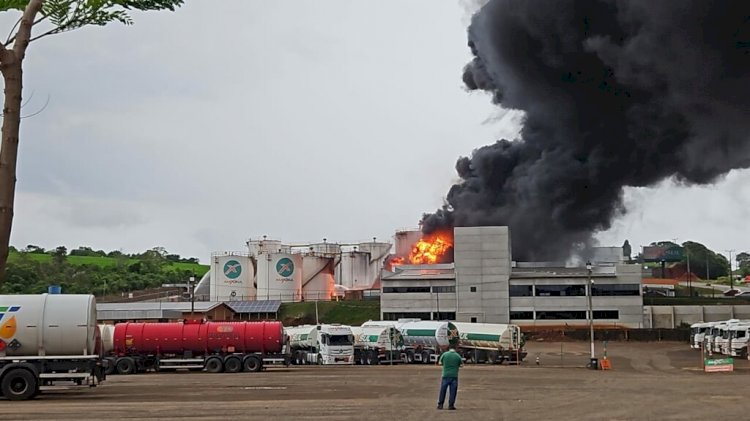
point(652, 381)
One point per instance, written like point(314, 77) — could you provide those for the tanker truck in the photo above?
point(377, 344)
point(326, 344)
point(48, 340)
point(424, 340)
point(490, 342)
point(211, 346)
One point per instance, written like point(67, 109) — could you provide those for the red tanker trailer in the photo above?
point(213, 346)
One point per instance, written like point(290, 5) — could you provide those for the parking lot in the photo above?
point(656, 381)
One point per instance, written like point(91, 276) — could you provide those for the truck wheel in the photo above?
point(214, 365)
point(372, 358)
point(409, 356)
point(232, 365)
point(19, 384)
point(125, 365)
point(492, 357)
point(253, 364)
point(110, 369)
point(425, 357)
point(320, 359)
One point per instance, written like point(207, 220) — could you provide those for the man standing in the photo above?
point(451, 362)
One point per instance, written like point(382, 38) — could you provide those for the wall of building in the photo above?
point(670, 317)
point(482, 256)
point(427, 303)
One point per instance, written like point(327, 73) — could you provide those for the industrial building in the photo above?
point(485, 285)
point(272, 270)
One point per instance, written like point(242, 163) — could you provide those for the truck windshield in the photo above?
point(339, 340)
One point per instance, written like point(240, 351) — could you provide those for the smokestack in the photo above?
point(615, 94)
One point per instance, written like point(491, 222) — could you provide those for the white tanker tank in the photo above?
point(490, 342)
point(376, 344)
point(424, 340)
point(108, 334)
point(56, 335)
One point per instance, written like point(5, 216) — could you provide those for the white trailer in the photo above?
point(377, 344)
point(490, 342)
point(424, 340)
point(47, 340)
point(326, 344)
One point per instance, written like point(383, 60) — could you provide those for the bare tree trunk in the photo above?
point(13, 78)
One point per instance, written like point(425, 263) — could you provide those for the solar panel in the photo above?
point(265, 306)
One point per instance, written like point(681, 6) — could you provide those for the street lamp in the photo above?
point(192, 297)
point(590, 293)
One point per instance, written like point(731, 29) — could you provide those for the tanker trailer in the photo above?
point(214, 346)
point(377, 344)
point(326, 344)
point(47, 340)
point(425, 340)
point(490, 342)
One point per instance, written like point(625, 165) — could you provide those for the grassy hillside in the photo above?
point(105, 262)
point(345, 312)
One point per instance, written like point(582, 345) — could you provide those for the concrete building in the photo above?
point(484, 285)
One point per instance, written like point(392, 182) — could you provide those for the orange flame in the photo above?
point(431, 248)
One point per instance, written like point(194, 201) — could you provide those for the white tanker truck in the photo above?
point(326, 344)
point(424, 340)
point(377, 344)
point(46, 340)
point(490, 342)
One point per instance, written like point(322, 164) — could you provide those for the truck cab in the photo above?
point(335, 344)
point(738, 338)
point(698, 333)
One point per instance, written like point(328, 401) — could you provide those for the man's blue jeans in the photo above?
point(451, 382)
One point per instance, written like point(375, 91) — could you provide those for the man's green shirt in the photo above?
point(450, 361)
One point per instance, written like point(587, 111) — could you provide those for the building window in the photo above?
point(616, 289)
point(473, 319)
point(561, 315)
point(606, 314)
point(444, 315)
point(390, 290)
point(444, 289)
point(396, 316)
point(473, 289)
point(522, 315)
point(560, 290)
point(520, 290)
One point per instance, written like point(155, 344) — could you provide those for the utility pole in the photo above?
point(192, 297)
point(690, 277)
point(731, 276)
point(591, 313)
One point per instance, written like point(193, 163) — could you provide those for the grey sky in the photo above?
point(297, 119)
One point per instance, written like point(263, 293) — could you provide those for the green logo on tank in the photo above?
point(285, 267)
point(232, 269)
point(453, 335)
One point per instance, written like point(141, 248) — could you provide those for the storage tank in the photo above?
point(360, 267)
point(317, 277)
point(257, 247)
point(107, 333)
point(199, 338)
point(405, 241)
point(489, 336)
point(429, 333)
point(279, 277)
point(48, 325)
point(232, 277)
point(326, 248)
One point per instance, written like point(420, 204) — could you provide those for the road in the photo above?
point(648, 381)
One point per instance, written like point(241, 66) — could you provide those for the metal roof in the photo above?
point(182, 306)
point(265, 306)
point(137, 314)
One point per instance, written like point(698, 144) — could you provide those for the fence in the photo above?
point(633, 335)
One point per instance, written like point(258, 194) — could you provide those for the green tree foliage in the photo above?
point(27, 274)
point(743, 263)
point(701, 256)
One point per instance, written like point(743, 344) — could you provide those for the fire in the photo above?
point(430, 249)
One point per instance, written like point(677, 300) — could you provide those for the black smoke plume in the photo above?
point(615, 94)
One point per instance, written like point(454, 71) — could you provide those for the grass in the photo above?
point(345, 312)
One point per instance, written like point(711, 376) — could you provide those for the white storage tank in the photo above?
point(317, 277)
point(325, 248)
point(279, 277)
point(264, 245)
point(44, 324)
point(232, 278)
point(405, 241)
point(353, 270)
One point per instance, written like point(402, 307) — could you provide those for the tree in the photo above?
point(59, 255)
point(54, 16)
point(627, 251)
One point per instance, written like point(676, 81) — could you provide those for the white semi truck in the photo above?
point(490, 342)
point(48, 340)
point(738, 339)
point(698, 333)
point(324, 344)
point(377, 344)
